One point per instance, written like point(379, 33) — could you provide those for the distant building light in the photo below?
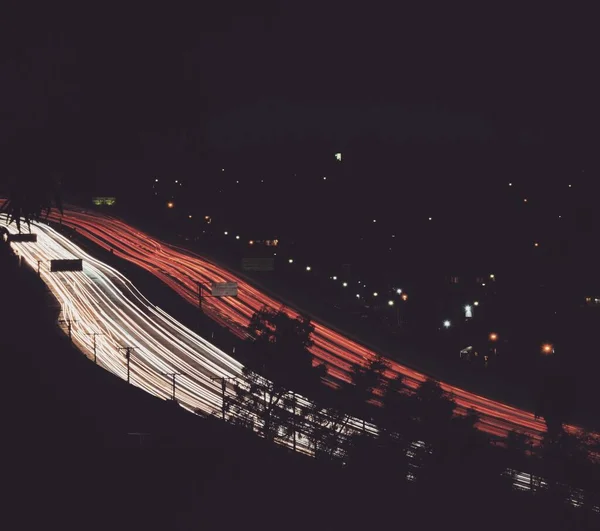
point(492, 277)
point(291, 260)
point(226, 233)
point(251, 242)
point(390, 303)
point(170, 204)
point(324, 178)
point(308, 268)
point(190, 216)
point(375, 294)
point(399, 291)
point(155, 180)
point(334, 277)
point(404, 296)
point(446, 324)
point(176, 181)
point(476, 303)
point(237, 237)
point(374, 221)
point(345, 284)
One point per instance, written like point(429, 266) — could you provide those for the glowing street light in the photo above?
point(476, 303)
point(308, 268)
point(446, 324)
point(226, 233)
point(493, 336)
point(334, 277)
point(291, 260)
point(399, 291)
point(404, 296)
point(390, 303)
point(492, 277)
point(237, 237)
point(345, 284)
point(375, 294)
point(547, 348)
point(170, 204)
point(190, 216)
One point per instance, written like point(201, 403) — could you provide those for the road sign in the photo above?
point(29, 237)
point(224, 289)
point(66, 265)
point(258, 264)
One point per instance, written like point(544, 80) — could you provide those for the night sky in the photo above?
point(96, 85)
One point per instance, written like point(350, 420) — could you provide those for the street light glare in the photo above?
point(547, 348)
point(375, 294)
point(476, 303)
point(345, 284)
point(291, 260)
point(308, 268)
point(334, 277)
point(399, 291)
point(390, 303)
point(446, 324)
point(493, 336)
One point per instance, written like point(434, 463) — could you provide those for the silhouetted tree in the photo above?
point(280, 366)
point(29, 198)
point(337, 416)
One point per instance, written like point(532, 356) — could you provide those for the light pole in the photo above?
point(94, 334)
point(493, 337)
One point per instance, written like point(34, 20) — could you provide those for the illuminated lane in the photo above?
point(181, 270)
point(101, 300)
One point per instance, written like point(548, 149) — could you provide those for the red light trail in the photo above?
point(181, 270)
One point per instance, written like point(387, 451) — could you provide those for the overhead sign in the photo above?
point(22, 237)
point(224, 289)
point(258, 264)
point(66, 265)
point(104, 201)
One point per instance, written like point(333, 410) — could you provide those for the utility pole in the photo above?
point(294, 419)
point(201, 295)
point(223, 389)
point(69, 323)
point(127, 358)
point(94, 334)
point(173, 375)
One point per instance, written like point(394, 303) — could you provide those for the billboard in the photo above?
point(224, 289)
point(22, 237)
point(104, 201)
point(258, 264)
point(66, 265)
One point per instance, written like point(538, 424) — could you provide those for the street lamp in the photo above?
point(390, 303)
point(308, 268)
point(399, 291)
point(446, 324)
point(404, 296)
point(547, 348)
point(493, 337)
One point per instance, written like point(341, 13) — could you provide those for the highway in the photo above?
point(104, 308)
point(182, 270)
point(100, 300)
